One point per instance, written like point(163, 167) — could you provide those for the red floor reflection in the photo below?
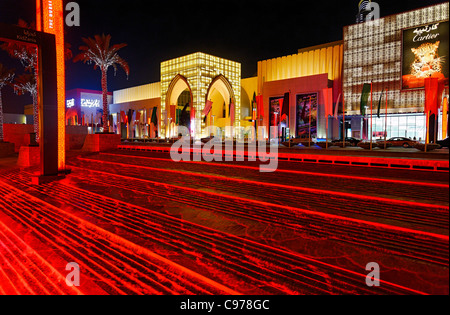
point(151, 226)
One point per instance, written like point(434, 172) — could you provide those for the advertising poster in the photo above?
point(274, 114)
point(425, 54)
point(274, 110)
point(306, 113)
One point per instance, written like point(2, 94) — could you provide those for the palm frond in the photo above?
point(98, 51)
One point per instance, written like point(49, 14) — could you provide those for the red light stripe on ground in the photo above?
point(292, 171)
point(304, 189)
point(127, 244)
point(306, 258)
point(307, 212)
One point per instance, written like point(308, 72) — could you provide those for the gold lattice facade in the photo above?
point(199, 70)
point(373, 53)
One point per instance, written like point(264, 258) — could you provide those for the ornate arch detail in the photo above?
point(227, 83)
point(172, 85)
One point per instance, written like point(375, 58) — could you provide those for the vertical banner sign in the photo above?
point(425, 54)
point(50, 19)
point(275, 106)
point(306, 113)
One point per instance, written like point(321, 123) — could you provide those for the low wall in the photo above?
point(29, 156)
point(6, 149)
point(101, 142)
point(75, 137)
point(17, 134)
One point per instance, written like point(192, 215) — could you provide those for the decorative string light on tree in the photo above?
point(26, 83)
point(28, 57)
point(6, 76)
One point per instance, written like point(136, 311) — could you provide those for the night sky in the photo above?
point(245, 31)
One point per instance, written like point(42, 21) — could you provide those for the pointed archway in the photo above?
point(220, 90)
point(177, 86)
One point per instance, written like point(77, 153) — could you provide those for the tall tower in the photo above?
point(363, 11)
point(49, 19)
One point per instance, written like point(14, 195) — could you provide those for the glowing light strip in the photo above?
point(323, 215)
point(304, 189)
point(50, 20)
point(54, 276)
point(396, 181)
point(259, 245)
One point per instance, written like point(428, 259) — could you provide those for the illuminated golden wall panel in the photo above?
point(308, 62)
point(50, 19)
point(373, 53)
point(249, 87)
point(138, 93)
point(200, 69)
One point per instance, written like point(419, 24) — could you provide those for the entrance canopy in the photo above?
point(202, 74)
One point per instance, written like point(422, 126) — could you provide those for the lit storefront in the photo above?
point(85, 108)
point(395, 53)
point(304, 76)
point(317, 83)
point(202, 78)
point(187, 84)
point(136, 110)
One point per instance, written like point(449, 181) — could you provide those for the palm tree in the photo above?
point(26, 83)
point(28, 56)
point(99, 52)
point(6, 77)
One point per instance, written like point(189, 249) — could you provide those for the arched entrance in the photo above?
point(72, 117)
point(220, 93)
point(178, 107)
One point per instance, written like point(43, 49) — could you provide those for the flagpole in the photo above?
point(343, 120)
point(326, 125)
point(371, 114)
point(436, 121)
point(326, 122)
point(288, 122)
point(426, 134)
point(310, 114)
point(385, 121)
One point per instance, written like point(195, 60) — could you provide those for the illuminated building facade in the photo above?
point(363, 11)
point(204, 77)
point(302, 75)
point(373, 54)
point(138, 101)
point(84, 107)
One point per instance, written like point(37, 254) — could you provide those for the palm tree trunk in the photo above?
point(1, 118)
point(36, 117)
point(105, 100)
point(36, 101)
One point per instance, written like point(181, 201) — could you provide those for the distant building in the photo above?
point(363, 11)
point(383, 52)
point(85, 107)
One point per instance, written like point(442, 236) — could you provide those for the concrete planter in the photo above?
point(341, 144)
point(29, 156)
point(366, 145)
point(323, 145)
point(6, 149)
point(381, 145)
point(430, 146)
point(101, 142)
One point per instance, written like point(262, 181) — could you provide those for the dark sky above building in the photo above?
point(245, 31)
